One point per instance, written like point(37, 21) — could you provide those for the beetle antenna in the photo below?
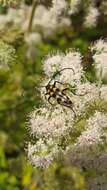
point(48, 83)
point(58, 72)
point(67, 68)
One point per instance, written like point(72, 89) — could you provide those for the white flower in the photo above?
point(86, 93)
point(103, 7)
point(46, 23)
point(49, 21)
point(36, 160)
point(56, 123)
point(94, 131)
point(33, 38)
point(74, 6)
point(99, 46)
point(71, 60)
point(65, 22)
point(58, 6)
point(101, 65)
point(91, 18)
point(46, 20)
point(3, 22)
point(90, 91)
point(7, 55)
point(59, 62)
point(89, 150)
point(42, 153)
point(100, 59)
point(52, 63)
point(103, 91)
point(16, 16)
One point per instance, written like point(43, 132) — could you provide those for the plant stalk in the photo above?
point(32, 16)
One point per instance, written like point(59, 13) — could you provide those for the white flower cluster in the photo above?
point(52, 19)
point(94, 131)
point(91, 17)
point(56, 122)
point(42, 154)
point(60, 61)
point(52, 126)
point(99, 50)
point(90, 9)
point(43, 24)
point(58, 6)
point(14, 16)
point(33, 38)
point(103, 91)
point(103, 7)
point(7, 55)
point(90, 151)
point(74, 6)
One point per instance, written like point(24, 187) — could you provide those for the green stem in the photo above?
point(32, 16)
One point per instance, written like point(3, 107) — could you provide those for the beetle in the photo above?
point(58, 94)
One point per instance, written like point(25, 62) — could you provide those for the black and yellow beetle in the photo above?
point(52, 91)
point(59, 94)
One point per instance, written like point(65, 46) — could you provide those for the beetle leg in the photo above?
point(78, 94)
point(49, 100)
point(72, 92)
point(45, 95)
point(64, 90)
point(73, 111)
point(59, 100)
